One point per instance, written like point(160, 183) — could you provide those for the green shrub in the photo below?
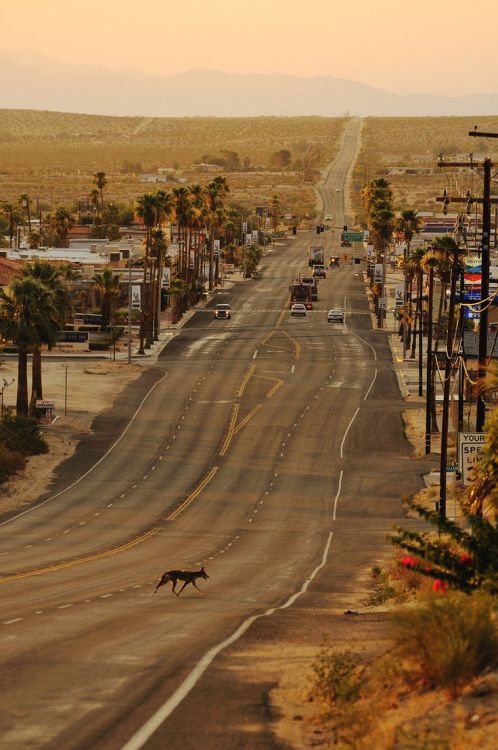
point(22, 435)
point(452, 638)
point(463, 556)
point(10, 462)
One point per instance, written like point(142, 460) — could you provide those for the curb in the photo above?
point(404, 390)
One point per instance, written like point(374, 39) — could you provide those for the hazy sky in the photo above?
point(440, 46)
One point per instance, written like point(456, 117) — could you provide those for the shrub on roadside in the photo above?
point(451, 639)
point(21, 435)
point(461, 557)
point(337, 676)
point(382, 590)
point(10, 462)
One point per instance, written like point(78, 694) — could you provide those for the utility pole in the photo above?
point(447, 385)
point(429, 394)
point(486, 202)
point(483, 321)
point(486, 232)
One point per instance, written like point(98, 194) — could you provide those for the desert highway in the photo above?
point(266, 448)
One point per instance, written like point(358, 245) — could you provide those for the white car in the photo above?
point(298, 309)
point(222, 311)
point(328, 218)
point(335, 316)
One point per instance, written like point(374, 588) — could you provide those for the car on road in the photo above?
point(335, 316)
point(298, 309)
point(222, 311)
point(328, 218)
point(320, 272)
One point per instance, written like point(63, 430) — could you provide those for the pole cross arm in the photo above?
point(460, 163)
point(481, 134)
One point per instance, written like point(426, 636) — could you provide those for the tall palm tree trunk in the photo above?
point(36, 374)
point(22, 382)
point(418, 313)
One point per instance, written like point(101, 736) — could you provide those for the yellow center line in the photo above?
point(193, 494)
point(272, 333)
point(274, 389)
point(81, 560)
point(247, 418)
point(245, 380)
point(297, 345)
point(228, 439)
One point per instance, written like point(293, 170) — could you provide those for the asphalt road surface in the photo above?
point(267, 449)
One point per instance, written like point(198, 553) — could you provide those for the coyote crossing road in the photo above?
point(182, 575)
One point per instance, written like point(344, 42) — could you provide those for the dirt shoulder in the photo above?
point(93, 387)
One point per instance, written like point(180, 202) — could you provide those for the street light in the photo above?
point(5, 385)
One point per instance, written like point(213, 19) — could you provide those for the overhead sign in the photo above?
point(352, 236)
point(470, 448)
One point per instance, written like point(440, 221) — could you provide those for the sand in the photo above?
point(92, 387)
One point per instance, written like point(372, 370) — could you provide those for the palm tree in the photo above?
point(108, 285)
point(55, 278)
point(94, 202)
point(178, 291)
point(34, 239)
point(63, 221)
point(215, 191)
point(410, 224)
point(147, 211)
point(183, 211)
point(14, 219)
point(100, 180)
point(26, 310)
point(415, 268)
point(158, 250)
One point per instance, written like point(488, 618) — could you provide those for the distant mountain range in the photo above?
point(34, 81)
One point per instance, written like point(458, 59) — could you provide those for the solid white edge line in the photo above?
point(140, 737)
point(255, 354)
point(337, 496)
point(371, 386)
point(347, 430)
point(89, 471)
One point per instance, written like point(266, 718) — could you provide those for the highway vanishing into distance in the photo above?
point(269, 449)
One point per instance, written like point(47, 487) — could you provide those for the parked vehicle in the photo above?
point(298, 309)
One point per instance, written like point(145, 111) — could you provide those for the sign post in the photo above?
point(470, 447)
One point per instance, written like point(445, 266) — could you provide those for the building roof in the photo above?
point(8, 269)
